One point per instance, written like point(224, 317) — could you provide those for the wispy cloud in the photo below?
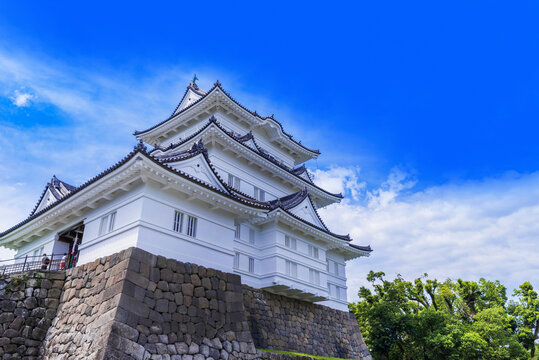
point(95, 110)
point(474, 229)
point(21, 99)
point(486, 228)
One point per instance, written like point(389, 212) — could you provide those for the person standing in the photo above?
point(63, 262)
point(45, 261)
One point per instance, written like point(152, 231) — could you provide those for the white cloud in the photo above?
point(21, 99)
point(470, 230)
point(341, 180)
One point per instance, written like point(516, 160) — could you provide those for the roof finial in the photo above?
point(195, 79)
point(140, 146)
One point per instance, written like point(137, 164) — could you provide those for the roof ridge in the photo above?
point(51, 186)
point(261, 151)
point(217, 84)
point(327, 231)
point(137, 149)
point(126, 158)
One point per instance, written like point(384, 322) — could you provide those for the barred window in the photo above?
point(112, 221)
point(107, 223)
point(178, 221)
point(313, 251)
point(191, 226)
point(251, 236)
point(251, 265)
point(234, 181)
point(237, 260)
point(260, 194)
point(237, 232)
point(291, 269)
point(290, 242)
point(314, 276)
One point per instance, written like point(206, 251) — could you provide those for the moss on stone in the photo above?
point(300, 354)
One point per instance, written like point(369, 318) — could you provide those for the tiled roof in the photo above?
point(290, 201)
point(285, 203)
point(194, 87)
point(140, 148)
point(58, 189)
point(242, 139)
point(303, 170)
point(364, 248)
point(254, 113)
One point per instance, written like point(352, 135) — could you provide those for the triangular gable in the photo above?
point(54, 191)
point(191, 96)
point(198, 167)
point(47, 199)
point(306, 211)
point(274, 128)
point(251, 144)
point(305, 175)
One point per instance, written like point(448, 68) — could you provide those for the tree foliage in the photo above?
point(428, 319)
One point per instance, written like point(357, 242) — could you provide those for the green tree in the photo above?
point(526, 312)
point(427, 319)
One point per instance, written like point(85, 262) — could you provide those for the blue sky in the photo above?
point(416, 107)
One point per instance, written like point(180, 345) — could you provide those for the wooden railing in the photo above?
point(33, 263)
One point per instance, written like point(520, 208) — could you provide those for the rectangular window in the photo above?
point(251, 236)
point(112, 220)
point(237, 260)
point(314, 276)
point(191, 226)
point(107, 223)
point(178, 222)
point(103, 225)
point(291, 269)
point(313, 251)
point(237, 233)
point(341, 268)
point(234, 181)
point(290, 242)
point(251, 265)
point(335, 268)
point(260, 194)
point(341, 293)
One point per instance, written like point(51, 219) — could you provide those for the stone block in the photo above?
point(137, 279)
point(133, 305)
point(124, 331)
point(161, 305)
point(187, 289)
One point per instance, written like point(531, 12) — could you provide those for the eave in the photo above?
point(137, 166)
point(212, 131)
point(217, 98)
point(333, 242)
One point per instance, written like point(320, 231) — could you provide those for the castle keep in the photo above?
point(204, 242)
point(223, 187)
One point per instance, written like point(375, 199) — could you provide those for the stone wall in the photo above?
point(281, 323)
point(28, 304)
point(135, 305)
point(88, 307)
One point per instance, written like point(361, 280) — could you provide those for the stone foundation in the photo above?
point(282, 323)
point(135, 305)
point(28, 304)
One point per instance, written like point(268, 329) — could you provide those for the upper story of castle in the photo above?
point(253, 153)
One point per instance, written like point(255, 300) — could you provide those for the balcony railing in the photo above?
point(33, 263)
